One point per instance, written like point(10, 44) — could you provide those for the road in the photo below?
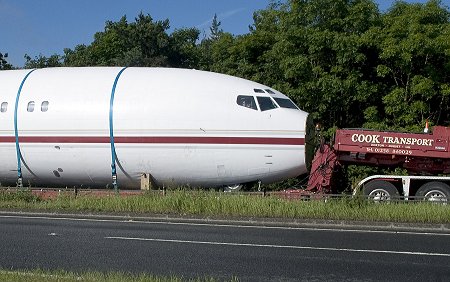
point(222, 251)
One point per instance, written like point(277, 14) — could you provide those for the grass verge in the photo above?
point(60, 276)
point(213, 204)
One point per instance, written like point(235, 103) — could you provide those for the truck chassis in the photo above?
point(426, 158)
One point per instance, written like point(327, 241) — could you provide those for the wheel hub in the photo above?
point(436, 196)
point(379, 195)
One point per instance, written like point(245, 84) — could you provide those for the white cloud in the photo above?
point(220, 17)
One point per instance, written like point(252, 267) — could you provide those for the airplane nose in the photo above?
point(310, 141)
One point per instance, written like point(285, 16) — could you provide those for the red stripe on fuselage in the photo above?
point(158, 140)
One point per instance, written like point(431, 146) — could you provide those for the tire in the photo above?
point(435, 192)
point(380, 190)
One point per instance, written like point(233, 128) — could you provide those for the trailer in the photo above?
point(425, 156)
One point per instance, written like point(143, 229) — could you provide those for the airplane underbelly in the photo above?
point(210, 165)
point(206, 165)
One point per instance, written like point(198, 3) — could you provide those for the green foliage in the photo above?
point(42, 61)
point(24, 196)
point(213, 204)
point(347, 63)
point(412, 66)
point(312, 51)
point(342, 61)
point(4, 65)
point(38, 275)
point(184, 52)
point(143, 43)
point(215, 29)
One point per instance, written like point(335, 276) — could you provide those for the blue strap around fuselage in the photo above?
point(111, 124)
point(16, 131)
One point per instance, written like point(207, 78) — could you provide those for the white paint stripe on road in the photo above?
point(169, 221)
point(280, 246)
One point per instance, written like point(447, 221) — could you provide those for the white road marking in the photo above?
point(279, 246)
point(171, 222)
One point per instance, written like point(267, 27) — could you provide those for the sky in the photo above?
point(46, 27)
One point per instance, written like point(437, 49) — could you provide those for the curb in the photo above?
point(244, 221)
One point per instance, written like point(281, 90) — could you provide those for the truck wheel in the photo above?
point(380, 190)
point(434, 192)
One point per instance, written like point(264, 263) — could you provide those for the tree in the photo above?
point(141, 43)
point(239, 55)
point(312, 51)
point(42, 61)
point(4, 65)
point(412, 67)
point(345, 62)
point(206, 60)
point(80, 56)
point(340, 60)
point(183, 48)
point(215, 29)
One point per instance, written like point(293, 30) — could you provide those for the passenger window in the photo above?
point(30, 106)
point(4, 107)
point(44, 106)
point(266, 103)
point(286, 103)
point(246, 101)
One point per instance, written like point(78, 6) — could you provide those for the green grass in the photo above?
point(213, 204)
point(64, 276)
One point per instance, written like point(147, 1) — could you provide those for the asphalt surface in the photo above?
point(245, 251)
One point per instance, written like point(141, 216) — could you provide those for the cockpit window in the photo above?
point(266, 103)
point(286, 103)
point(270, 91)
point(258, 90)
point(246, 101)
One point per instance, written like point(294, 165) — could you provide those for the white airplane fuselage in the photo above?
point(70, 126)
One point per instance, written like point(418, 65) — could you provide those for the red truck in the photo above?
point(426, 158)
